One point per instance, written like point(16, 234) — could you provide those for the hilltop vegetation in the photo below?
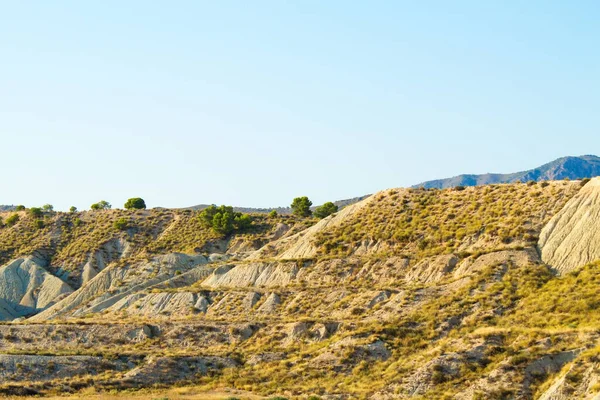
point(429, 222)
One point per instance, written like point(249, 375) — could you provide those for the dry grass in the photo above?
point(187, 393)
point(429, 222)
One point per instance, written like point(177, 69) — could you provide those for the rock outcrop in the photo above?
point(572, 237)
point(27, 288)
point(116, 283)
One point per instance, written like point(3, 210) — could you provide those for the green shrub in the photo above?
point(121, 224)
point(76, 222)
point(36, 212)
point(301, 206)
point(12, 220)
point(101, 205)
point(73, 209)
point(135, 203)
point(325, 210)
point(224, 220)
point(48, 207)
point(39, 223)
point(273, 214)
point(20, 207)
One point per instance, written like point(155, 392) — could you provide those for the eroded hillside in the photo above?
point(410, 293)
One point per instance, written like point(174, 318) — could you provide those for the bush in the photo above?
point(101, 205)
point(20, 207)
point(76, 222)
point(120, 224)
point(12, 220)
point(301, 206)
point(36, 212)
point(459, 188)
point(48, 207)
point(224, 220)
point(73, 209)
point(39, 223)
point(325, 210)
point(273, 214)
point(135, 203)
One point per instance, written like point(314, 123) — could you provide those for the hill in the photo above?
point(466, 293)
point(281, 210)
point(566, 167)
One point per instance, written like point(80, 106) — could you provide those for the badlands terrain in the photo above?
point(487, 292)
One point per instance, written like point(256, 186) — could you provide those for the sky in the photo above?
point(253, 103)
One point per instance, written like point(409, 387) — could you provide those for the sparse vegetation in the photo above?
point(342, 325)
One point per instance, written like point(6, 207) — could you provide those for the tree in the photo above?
point(20, 207)
point(36, 212)
point(73, 209)
point(273, 214)
point(135, 203)
point(48, 207)
point(325, 210)
point(224, 220)
point(12, 220)
point(101, 205)
point(301, 206)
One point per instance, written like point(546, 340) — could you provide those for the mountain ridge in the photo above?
point(571, 167)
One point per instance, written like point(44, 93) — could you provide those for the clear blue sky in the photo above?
point(254, 102)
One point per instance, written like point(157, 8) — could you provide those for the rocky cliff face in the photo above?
point(412, 293)
point(572, 237)
point(27, 288)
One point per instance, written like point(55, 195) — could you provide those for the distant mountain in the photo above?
point(566, 167)
point(282, 210)
point(6, 208)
